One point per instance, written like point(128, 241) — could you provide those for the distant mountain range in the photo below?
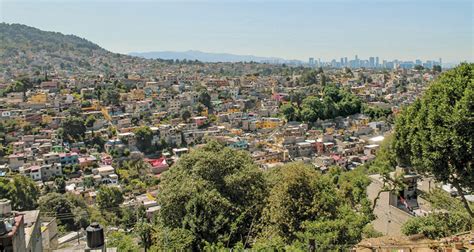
point(205, 56)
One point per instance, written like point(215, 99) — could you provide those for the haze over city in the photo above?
point(292, 30)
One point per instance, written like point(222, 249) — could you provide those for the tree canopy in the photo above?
point(205, 98)
point(122, 241)
point(303, 204)
point(21, 190)
point(73, 128)
point(70, 209)
point(452, 218)
point(144, 136)
point(331, 103)
point(214, 194)
point(109, 197)
point(110, 96)
point(435, 135)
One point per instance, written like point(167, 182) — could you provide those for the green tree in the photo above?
point(144, 230)
point(177, 239)
point(323, 80)
point(21, 190)
point(435, 135)
point(385, 160)
point(109, 197)
point(309, 77)
point(85, 104)
point(144, 136)
point(290, 201)
point(418, 67)
point(437, 68)
point(73, 128)
point(90, 120)
point(81, 217)
point(339, 233)
point(332, 103)
point(60, 184)
point(376, 112)
point(438, 225)
point(130, 215)
point(329, 108)
point(449, 218)
point(214, 193)
point(205, 99)
point(111, 96)
point(312, 109)
point(349, 104)
point(185, 115)
point(67, 207)
point(122, 241)
point(297, 97)
point(289, 112)
point(89, 182)
point(303, 204)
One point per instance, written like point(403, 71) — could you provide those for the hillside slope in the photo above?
point(25, 50)
point(17, 36)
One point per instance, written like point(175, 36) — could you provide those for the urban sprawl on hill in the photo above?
point(122, 153)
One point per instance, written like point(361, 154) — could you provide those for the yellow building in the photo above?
point(268, 123)
point(360, 90)
point(39, 98)
point(94, 106)
point(46, 119)
point(233, 110)
point(137, 94)
point(330, 130)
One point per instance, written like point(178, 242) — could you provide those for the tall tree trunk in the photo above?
point(463, 199)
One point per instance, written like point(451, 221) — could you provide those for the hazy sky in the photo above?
point(290, 29)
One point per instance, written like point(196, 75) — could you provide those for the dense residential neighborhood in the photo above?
point(96, 134)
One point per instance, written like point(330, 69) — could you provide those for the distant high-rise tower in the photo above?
point(311, 61)
point(377, 63)
point(440, 62)
point(371, 62)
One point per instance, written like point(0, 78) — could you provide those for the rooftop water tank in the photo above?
point(5, 208)
point(95, 235)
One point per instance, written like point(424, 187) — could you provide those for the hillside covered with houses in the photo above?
point(162, 149)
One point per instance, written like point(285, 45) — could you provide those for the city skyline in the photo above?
point(278, 29)
point(374, 62)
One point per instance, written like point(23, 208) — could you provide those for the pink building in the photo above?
point(199, 120)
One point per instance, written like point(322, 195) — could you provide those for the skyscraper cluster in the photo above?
point(372, 62)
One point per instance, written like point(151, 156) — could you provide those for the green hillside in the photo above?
point(17, 38)
point(25, 50)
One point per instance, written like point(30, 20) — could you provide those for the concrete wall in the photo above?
point(389, 219)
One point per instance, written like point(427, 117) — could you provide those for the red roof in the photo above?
point(18, 222)
point(158, 163)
